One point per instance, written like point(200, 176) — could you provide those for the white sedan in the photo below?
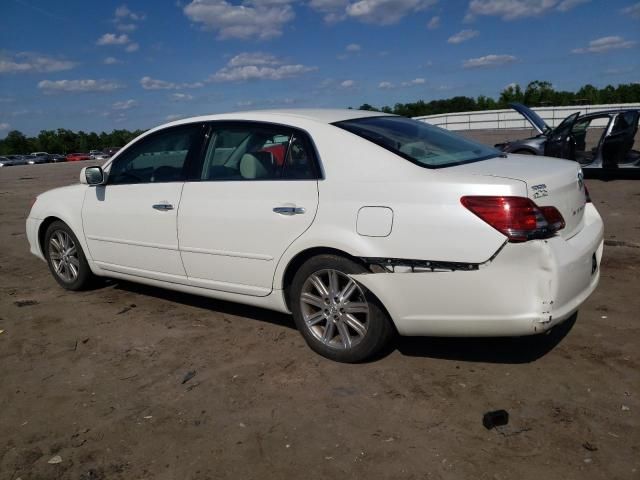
point(360, 224)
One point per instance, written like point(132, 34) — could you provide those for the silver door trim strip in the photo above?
point(226, 253)
point(130, 242)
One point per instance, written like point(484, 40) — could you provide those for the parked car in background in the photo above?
point(5, 162)
point(39, 154)
point(595, 140)
point(99, 156)
point(74, 157)
point(17, 159)
point(56, 158)
point(34, 159)
point(371, 224)
point(111, 151)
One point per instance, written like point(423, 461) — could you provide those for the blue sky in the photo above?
point(97, 66)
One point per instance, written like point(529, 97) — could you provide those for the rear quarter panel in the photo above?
point(429, 222)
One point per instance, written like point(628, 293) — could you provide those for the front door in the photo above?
point(256, 193)
point(561, 143)
point(130, 223)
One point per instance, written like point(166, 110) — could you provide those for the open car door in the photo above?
point(560, 142)
point(617, 145)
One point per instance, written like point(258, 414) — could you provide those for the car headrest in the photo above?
point(256, 165)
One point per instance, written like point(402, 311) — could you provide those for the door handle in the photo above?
point(163, 206)
point(289, 210)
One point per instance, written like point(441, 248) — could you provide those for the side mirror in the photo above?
point(92, 176)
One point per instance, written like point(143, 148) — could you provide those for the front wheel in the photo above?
point(65, 257)
point(339, 318)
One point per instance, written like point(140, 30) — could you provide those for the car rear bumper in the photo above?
point(526, 289)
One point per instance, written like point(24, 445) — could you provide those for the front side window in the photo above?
point(419, 142)
point(158, 158)
point(257, 152)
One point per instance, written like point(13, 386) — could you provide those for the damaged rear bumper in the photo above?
point(526, 289)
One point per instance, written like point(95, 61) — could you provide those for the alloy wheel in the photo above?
point(334, 309)
point(63, 254)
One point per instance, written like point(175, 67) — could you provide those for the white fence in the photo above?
point(499, 119)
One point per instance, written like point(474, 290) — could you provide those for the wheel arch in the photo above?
point(298, 259)
point(42, 230)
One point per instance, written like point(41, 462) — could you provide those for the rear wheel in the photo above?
point(65, 257)
point(339, 318)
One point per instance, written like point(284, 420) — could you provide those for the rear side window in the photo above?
point(419, 142)
point(158, 158)
point(257, 152)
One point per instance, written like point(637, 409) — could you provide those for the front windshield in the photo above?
point(419, 142)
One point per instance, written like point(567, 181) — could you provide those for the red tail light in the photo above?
point(519, 218)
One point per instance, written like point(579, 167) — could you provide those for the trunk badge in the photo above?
point(539, 191)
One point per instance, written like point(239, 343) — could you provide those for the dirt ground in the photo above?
point(98, 379)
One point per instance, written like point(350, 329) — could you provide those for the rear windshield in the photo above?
point(419, 142)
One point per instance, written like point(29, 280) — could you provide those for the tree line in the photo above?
point(64, 141)
point(537, 93)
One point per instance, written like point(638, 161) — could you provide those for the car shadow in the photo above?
point(613, 174)
point(508, 350)
point(205, 303)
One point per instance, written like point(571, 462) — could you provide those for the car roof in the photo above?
point(609, 112)
point(321, 115)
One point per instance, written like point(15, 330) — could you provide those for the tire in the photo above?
point(65, 257)
point(338, 318)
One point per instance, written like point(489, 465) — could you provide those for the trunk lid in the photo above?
point(534, 119)
point(549, 181)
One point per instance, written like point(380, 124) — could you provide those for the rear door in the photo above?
point(618, 143)
point(561, 143)
point(255, 193)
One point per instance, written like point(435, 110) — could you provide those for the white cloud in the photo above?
point(379, 12)
point(605, 44)
point(110, 61)
point(125, 104)
point(89, 85)
point(385, 12)
point(463, 36)
point(113, 39)
point(258, 66)
point(123, 13)
point(514, 9)
point(567, 5)
point(414, 82)
point(334, 10)
point(433, 23)
point(348, 84)
point(27, 62)
point(181, 97)
point(132, 47)
point(250, 20)
point(253, 58)
point(407, 84)
point(4, 126)
point(353, 48)
point(489, 61)
point(632, 11)
point(174, 116)
point(149, 83)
